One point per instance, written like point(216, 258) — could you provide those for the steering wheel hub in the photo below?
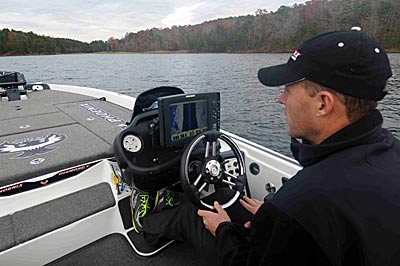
point(213, 168)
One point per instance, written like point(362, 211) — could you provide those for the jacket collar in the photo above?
point(363, 131)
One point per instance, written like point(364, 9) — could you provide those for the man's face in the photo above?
point(299, 113)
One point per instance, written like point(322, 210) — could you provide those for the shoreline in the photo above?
point(390, 51)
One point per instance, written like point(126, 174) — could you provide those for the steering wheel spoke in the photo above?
point(227, 179)
point(207, 152)
point(211, 146)
point(227, 182)
point(197, 180)
point(229, 174)
point(202, 187)
point(214, 149)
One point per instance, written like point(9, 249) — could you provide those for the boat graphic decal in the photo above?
point(28, 147)
point(26, 186)
point(100, 113)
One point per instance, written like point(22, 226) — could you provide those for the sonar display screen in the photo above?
point(188, 119)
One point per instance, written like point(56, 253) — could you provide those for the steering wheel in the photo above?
point(198, 175)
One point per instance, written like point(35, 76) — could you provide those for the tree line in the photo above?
point(279, 31)
point(21, 43)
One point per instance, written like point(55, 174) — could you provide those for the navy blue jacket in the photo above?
point(342, 208)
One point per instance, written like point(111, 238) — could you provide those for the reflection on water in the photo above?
point(248, 108)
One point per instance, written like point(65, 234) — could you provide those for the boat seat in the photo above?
point(38, 220)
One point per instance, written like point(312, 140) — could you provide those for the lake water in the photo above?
point(247, 108)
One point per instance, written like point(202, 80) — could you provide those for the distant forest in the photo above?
point(20, 43)
point(279, 31)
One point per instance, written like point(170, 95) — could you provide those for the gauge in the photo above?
point(132, 143)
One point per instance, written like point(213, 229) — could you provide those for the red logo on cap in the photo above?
point(295, 55)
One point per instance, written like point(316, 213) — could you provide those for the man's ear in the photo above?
point(325, 103)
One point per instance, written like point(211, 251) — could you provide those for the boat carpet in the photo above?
point(6, 233)
point(114, 249)
point(52, 130)
point(30, 223)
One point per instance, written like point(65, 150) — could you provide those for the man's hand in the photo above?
point(211, 219)
point(252, 205)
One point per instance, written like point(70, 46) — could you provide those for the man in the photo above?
point(343, 207)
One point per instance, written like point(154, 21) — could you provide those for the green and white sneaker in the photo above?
point(141, 204)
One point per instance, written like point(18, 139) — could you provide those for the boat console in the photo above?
point(176, 138)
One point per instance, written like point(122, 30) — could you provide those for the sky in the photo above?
point(89, 20)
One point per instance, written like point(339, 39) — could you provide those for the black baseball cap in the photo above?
point(346, 61)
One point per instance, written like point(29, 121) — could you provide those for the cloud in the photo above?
point(182, 15)
point(195, 12)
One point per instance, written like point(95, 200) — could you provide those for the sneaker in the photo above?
point(168, 199)
point(141, 202)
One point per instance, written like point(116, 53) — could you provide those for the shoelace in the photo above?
point(144, 205)
point(169, 199)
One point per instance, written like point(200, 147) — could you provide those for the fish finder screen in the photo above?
point(184, 116)
point(187, 119)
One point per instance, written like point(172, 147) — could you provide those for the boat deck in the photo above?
point(54, 130)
